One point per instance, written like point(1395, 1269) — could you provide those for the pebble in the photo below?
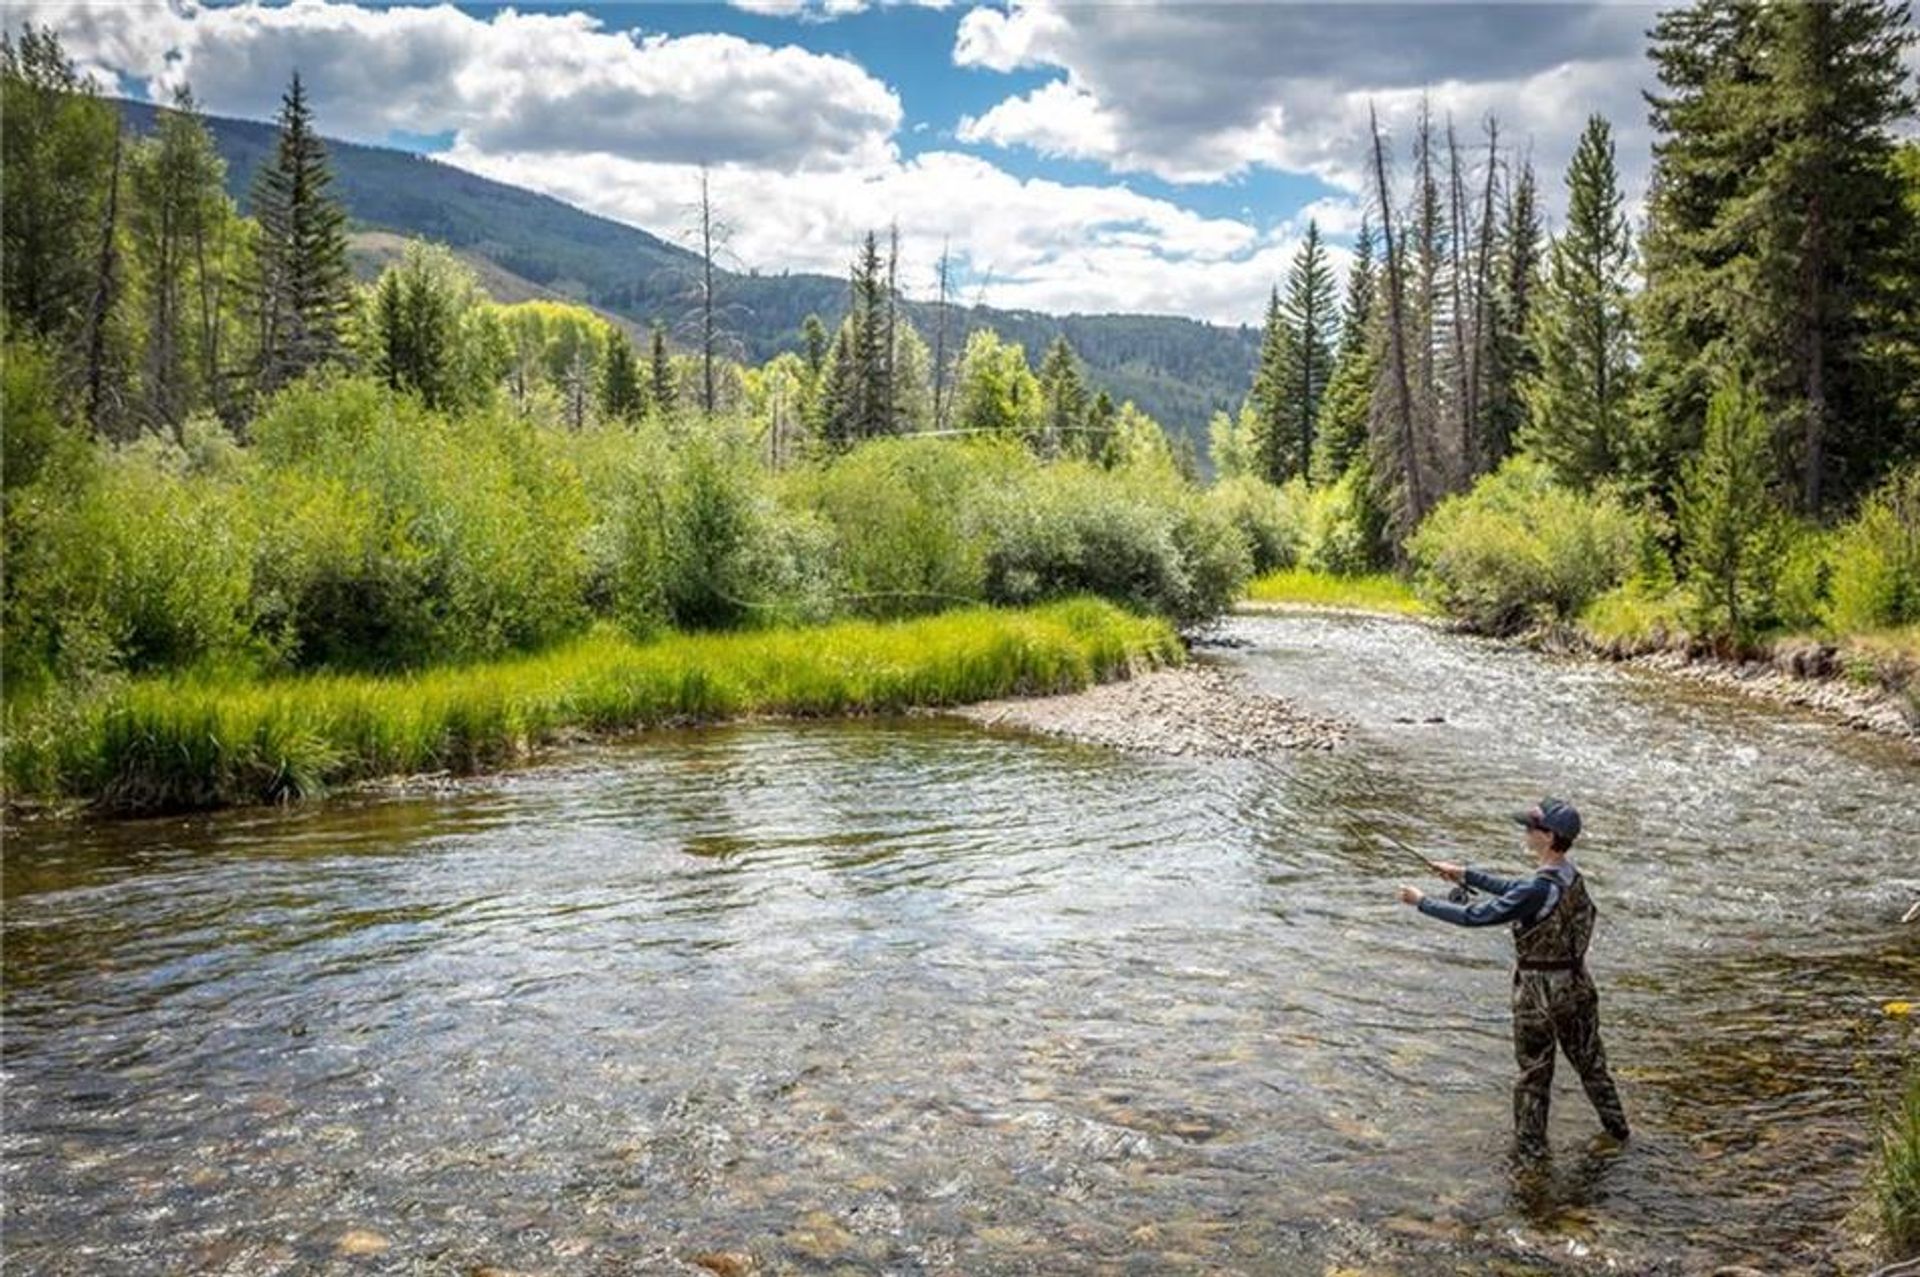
point(724, 1263)
point(361, 1241)
point(1192, 711)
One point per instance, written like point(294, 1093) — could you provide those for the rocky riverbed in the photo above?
point(1192, 710)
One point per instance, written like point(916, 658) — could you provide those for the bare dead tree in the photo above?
point(705, 321)
point(1461, 407)
point(104, 286)
point(1482, 297)
point(941, 306)
point(888, 371)
point(1400, 390)
point(706, 294)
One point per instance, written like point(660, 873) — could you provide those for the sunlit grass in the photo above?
point(1896, 1171)
point(1379, 592)
point(173, 743)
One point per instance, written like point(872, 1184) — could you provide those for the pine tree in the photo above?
point(1064, 400)
point(1578, 400)
point(661, 389)
point(302, 286)
point(1101, 418)
point(814, 342)
point(1730, 525)
point(873, 411)
point(1309, 318)
point(1340, 434)
point(840, 390)
point(622, 392)
point(1510, 356)
point(1274, 431)
point(1777, 231)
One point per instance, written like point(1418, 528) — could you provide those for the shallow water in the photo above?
point(909, 996)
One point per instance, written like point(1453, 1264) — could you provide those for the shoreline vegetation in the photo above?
point(174, 743)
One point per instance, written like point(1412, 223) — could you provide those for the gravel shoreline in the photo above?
point(1191, 710)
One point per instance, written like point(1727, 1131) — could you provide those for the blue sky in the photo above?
point(1138, 157)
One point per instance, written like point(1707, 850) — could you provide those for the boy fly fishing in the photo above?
point(1555, 1003)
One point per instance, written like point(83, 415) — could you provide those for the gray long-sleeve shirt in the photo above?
point(1518, 900)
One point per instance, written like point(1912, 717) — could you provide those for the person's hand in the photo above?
point(1411, 895)
point(1450, 871)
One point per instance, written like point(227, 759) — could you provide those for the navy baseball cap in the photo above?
point(1552, 815)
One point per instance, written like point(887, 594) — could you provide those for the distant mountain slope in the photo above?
point(1178, 370)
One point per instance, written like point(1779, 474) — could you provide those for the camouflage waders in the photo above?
point(1555, 1004)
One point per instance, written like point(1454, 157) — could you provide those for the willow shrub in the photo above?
point(134, 558)
point(172, 743)
point(394, 536)
point(907, 528)
point(1518, 548)
point(1875, 580)
point(1139, 535)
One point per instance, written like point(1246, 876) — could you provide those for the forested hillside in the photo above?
point(1179, 371)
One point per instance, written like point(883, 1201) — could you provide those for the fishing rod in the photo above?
point(1460, 893)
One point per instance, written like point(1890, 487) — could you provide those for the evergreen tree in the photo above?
point(1730, 525)
point(873, 409)
point(623, 395)
point(302, 287)
point(814, 343)
point(1274, 432)
point(1776, 232)
point(1064, 400)
point(419, 305)
point(1309, 318)
point(840, 390)
point(660, 385)
point(1577, 401)
point(1510, 355)
point(1101, 418)
point(1340, 433)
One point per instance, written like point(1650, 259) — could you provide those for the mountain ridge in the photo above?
point(1178, 370)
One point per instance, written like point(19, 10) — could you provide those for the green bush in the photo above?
point(1518, 548)
point(904, 520)
point(398, 536)
point(1876, 559)
point(1271, 520)
point(133, 559)
point(1137, 535)
point(1344, 527)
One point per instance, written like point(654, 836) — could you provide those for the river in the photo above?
point(913, 996)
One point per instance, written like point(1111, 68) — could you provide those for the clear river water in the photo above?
point(909, 995)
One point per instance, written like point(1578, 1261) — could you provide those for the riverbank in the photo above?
point(1863, 682)
point(1869, 682)
point(1193, 710)
point(173, 744)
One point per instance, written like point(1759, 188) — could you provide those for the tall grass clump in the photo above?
point(1517, 548)
point(1896, 1170)
point(1372, 592)
point(182, 742)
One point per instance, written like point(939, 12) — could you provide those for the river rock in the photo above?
point(1195, 711)
point(361, 1241)
point(724, 1263)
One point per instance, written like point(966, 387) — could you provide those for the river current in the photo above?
point(904, 996)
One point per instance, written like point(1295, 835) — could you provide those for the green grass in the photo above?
point(1380, 592)
point(1896, 1171)
point(179, 743)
